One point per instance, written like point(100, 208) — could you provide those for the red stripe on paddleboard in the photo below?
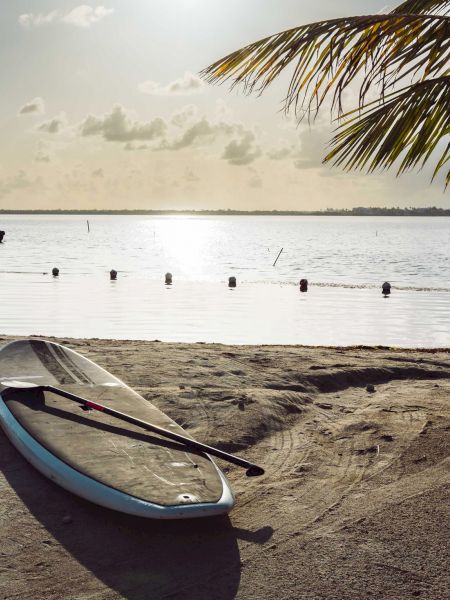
point(93, 405)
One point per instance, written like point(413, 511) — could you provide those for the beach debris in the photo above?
point(168, 278)
point(113, 274)
point(231, 282)
point(279, 254)
point(303, 285)
point(370, 388)
point(2, 235)
point(386, 288)
point(55, 272)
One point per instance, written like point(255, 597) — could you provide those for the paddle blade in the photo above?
point(254, 471)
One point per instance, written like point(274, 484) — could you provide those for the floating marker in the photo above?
point(303, 285)
point(168, 278)
point(113, 275)
point(231, 282)
point(55, 272)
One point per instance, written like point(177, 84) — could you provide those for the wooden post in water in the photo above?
point(279, 253)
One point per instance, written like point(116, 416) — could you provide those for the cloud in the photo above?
point(85, 16)
point(34, 107)
point(308, 150)
point(42, 157)
point(281, 152)
point(242, 151)
point(80, 16)
point(130, 146)
point(184, 116)
point(17, 182)
point(200, 129)
point(314, 143)
point(29, 20)
point(117, 126)
point(186, 85)
point(54, 125)
point(255, 180)
point(180, 133)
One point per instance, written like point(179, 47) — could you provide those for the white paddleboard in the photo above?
point(114, 464)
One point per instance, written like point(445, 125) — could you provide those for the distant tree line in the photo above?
point(359, 211)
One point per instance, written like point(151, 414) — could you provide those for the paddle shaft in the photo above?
point(252, 469)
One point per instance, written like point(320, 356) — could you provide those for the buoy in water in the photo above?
point(303, 285)
point(113, 274)
point(168, 278)
point(55, 272)
point(231, 282)
point(386, 288)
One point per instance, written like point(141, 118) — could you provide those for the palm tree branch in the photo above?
point(331, 54)
point(407, 126)
point(422, 7)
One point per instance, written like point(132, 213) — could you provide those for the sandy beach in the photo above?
point(353, 504)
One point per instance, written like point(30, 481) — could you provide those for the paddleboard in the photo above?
point(109, 462)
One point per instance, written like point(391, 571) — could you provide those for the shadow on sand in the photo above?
point(138, 558)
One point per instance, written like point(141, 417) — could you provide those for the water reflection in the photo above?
point(83, 306)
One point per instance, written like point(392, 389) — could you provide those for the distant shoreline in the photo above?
point(354, 212)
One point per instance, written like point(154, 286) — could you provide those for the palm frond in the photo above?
point(331, 54)
point(419, 7)
point(408, 126)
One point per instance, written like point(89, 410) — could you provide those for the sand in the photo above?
point(354, 502)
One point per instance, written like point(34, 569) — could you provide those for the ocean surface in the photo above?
point(345, 259)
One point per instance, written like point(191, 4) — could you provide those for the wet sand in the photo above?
point(354, 502)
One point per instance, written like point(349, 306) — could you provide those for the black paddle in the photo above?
point(252, 470)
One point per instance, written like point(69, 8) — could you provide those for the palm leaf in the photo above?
point(408, 126)
point(422, 7)
point(331, 54)
point(380, 51)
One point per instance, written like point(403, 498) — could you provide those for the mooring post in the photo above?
point(279, 254)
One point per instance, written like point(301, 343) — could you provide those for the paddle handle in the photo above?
point(252, 469)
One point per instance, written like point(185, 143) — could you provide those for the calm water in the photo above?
point(345, 259)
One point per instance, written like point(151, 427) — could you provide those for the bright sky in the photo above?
point(101, 108)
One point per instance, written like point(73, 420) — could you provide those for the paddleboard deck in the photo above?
point(96, 456)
